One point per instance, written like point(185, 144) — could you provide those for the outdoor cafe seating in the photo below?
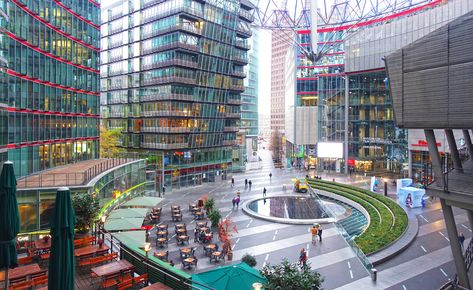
point(186, 252)
point(180, 226)
point(163, 227)
point(182, 239)
point(209, 249)
point(162, 255)
point(160, 242)
point(216, 256)
point(177, 217)
point(189, 262)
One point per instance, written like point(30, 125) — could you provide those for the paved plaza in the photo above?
point(426, 264)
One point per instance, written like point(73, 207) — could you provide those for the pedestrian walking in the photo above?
point(264, 192)
point(313, 232)
point(246, 183)
point(164, 189)
point(270, 175)
point(234, 202)
point(233, 182)
point(319, 233)
point(237, 200)
point(249, 183)
point(303, 258)
point(461, 240)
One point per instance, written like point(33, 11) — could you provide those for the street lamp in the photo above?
point(102, 222)
point(385, 186)
point(257, 286)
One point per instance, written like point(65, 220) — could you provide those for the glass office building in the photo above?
point(172, 75)
point(49, 54)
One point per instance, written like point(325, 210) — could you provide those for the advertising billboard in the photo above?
point(330, 150)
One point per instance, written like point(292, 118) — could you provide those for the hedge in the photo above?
point(388, 220)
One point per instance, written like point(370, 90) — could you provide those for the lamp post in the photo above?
point(385, 186)
point(257, 286)
point(147, 247)
point(102, 222)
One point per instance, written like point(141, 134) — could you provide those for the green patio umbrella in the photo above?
point(62, 261)
point(234, 277)
point(9, 219)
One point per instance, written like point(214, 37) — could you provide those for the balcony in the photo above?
point(172, 62)
point(240, 59)
point(166, 129)
point(242, 32)
point(240, 74)
point(229, 142)
point(187, 27)
point(169, 96)
point(233, 115)
point(231, 129)
point(234, 101)
point(117, 115)
point(239, 88)
point(183, 9)
point(172, 45)
point(164, 114)
point(171, 79)
point(243, 44)
point(164, 146)
point(248, 15)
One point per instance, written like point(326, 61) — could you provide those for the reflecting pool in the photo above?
point(289, 207)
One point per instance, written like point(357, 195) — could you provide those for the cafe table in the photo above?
point(157, 286)
point(89, 250)
point(112, 268)
point(21, 271)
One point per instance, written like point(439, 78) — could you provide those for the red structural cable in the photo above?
point(11, 109)
point(77, 15)
point(320, 66)
point(24, 8)
point(373, 21)
point(25, 77)
point(34, 143)
point(95, 3)
point(308, 93)
point(26, 43)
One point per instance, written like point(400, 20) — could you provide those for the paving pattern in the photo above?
point(426, 264)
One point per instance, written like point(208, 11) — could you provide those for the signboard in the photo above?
point(330, 150)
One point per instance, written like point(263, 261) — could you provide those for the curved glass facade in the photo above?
point(52, 83)
point(172, 74)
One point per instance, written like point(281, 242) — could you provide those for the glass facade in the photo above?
point(375, 144)
point(171, 77)
point(50, 87)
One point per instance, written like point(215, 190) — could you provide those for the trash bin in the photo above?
point(374, 274)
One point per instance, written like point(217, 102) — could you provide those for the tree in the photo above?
point(276, 147)
point(288, 276)
point(214, 217)
point(86, 208)
point(109, 142)
point(249, 260)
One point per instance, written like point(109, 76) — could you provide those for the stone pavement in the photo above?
point(424, 264)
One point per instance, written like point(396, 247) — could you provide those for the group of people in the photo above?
point(316, 232)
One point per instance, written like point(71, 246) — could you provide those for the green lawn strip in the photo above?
point(388, 220)
point(400, 216)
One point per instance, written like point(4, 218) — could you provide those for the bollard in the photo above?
point(374, 274)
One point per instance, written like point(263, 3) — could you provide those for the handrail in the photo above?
point(350, 241)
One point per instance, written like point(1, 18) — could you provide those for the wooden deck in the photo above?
point(70, 175)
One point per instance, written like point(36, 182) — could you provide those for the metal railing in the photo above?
point(51, 179)
point(350, 241)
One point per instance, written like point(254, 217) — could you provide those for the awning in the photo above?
point(123, 224)
point(232, 277)
point(133, 238)
point(128, 213)
point(143, 201)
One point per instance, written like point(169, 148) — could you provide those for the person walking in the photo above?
point(233, 182)
point(270, 175)
point(303, 258)
point(314, 232)
point(249, 183)
point(461, 240)
point(246, 183)
point(319, 233)
point(233, 202)
point(264, 192)
point(237, 200)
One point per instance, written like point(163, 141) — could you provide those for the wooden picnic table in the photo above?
point(42, 245)
point(112, 268)
point(88, 250)
point(157, 286)
point(21, 271)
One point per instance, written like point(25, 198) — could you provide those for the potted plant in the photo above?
point(209, 205)
point(86, 208)
point(215, 217)
point(249, 260)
